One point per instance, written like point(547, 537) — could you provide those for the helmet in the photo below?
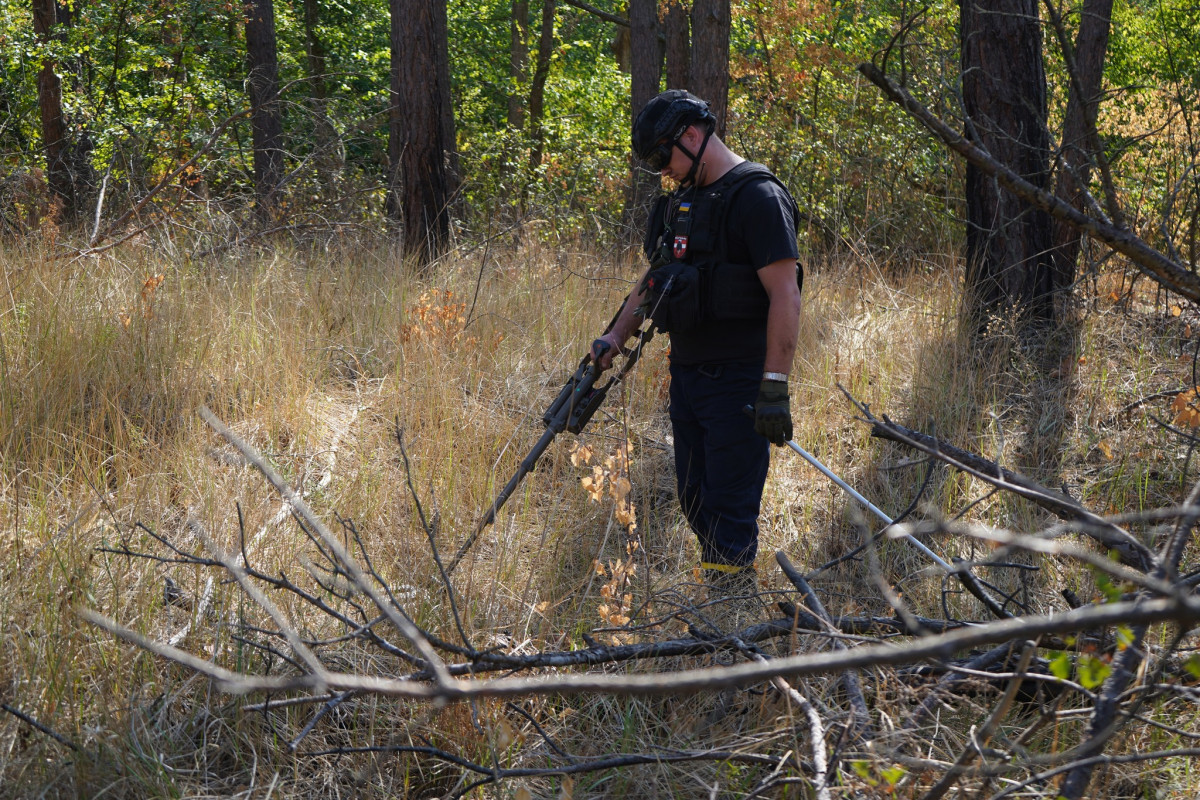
point(663, 120)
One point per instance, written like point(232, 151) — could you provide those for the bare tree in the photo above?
point(266, 118)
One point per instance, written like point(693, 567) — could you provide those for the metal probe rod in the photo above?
point(811, 459)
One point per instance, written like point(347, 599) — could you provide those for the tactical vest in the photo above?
point(691, 280)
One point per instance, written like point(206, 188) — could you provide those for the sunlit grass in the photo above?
point(326, 362)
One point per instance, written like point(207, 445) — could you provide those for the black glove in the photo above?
point(772, 412)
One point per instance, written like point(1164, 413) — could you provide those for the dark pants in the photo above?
point(720, 462)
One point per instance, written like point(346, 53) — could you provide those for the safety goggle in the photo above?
point(660, 156)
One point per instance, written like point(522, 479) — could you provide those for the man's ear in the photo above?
point(691, 138)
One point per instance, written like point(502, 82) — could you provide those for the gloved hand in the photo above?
point(772, 412)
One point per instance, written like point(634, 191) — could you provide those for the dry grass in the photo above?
point(316, 357)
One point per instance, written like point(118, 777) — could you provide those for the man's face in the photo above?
point(679, 165)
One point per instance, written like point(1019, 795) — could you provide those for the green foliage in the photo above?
point(862, 171)
point(150, 82)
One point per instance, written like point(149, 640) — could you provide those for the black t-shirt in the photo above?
point(760, 229)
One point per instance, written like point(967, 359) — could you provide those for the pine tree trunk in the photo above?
point(266, 123)
point(68, 167)
point(1083, 103)
point(645, 76)
point(537, 91)
point(678, 46)
point(518, 56)
point(418, 185)
point(1009, 268)
point(710, 56)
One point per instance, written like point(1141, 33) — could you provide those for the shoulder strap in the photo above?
point(740, 176)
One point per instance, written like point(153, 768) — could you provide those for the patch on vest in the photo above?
point(679, 250)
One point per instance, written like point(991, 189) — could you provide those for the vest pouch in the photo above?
point(674, 297)
point(735, 292)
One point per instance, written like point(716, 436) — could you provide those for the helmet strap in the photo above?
point(691, 175)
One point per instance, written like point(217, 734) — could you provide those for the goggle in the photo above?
point(660, 156)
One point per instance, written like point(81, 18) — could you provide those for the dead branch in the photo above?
point(1129, 613)
point(1160, 268)
point(1130, 550)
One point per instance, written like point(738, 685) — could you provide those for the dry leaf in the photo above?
point(581, 454)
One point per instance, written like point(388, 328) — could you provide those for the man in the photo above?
point(724, 282)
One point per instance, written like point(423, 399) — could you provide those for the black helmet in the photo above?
point(663, 120)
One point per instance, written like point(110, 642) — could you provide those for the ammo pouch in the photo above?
point(682, 296)
point(674, 297)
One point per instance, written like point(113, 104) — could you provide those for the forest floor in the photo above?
point(397, 405)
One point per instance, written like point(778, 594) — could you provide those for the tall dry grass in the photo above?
point(319, 359)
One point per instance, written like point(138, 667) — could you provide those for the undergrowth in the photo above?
point(372, 390)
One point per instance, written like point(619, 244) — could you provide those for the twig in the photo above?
point(33, 723)
point(402, 623)
point(858, 703)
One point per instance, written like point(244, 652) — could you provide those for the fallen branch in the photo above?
point(1130, 550)
point(1163, 270)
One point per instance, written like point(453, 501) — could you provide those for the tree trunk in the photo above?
point(68, 167)
point(1009, 268)
point(678, 46)
point(266, 123)
point(1078, 147)
point(441, 56)
point(418, 186)
point(710, 56)
point(518, 57)
point(537, 91)
point(645, 76)
point(316, 56)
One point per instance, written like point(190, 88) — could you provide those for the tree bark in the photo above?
point(441, 55)
point(316, 67)
point(1078, 146)
point(676, 27)
point(1009, 267)
point(418, 186)
point(266, 121)
point(645, 76)
point(67, 162)
point(518, 58)
point(537, 91)
point(710, 56)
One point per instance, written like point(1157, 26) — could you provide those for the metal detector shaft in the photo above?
point(571, 410)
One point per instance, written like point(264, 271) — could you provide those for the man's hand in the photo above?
point(603, 350)
point(772, 412)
